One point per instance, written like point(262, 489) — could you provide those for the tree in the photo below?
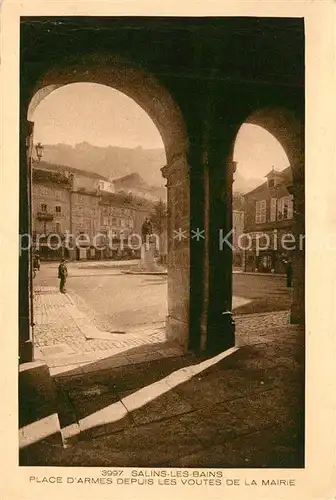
point(158, 217)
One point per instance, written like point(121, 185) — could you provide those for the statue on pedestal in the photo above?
point(147, 264)
point(146, 230)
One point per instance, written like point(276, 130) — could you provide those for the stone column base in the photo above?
point(178, 331)
point(26, 351)
point(220, 332)
point(297, 314)
point(38, 415)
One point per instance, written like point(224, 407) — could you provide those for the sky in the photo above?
point(104, 116)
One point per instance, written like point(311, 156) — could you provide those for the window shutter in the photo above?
point(273, 209)
point(280, 208)
point(290, 207)
point(263, 211)
point(257, 212)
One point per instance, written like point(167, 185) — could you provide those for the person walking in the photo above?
point(62, 274)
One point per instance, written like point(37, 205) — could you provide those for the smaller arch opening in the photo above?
point(263, 225)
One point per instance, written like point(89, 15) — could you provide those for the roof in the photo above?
point(43, 165)
point(131, 179)
point(277, 173)
point(134, 201)
point(286, 175)
point(42, 175)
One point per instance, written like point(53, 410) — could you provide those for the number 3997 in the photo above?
point(112, 472)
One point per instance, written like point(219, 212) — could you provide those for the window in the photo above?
point(58, 194)
point(57, 227)
point(58, 209)
point(271, 183)
point(273, 213)
point(43, 207)
point(80, 198)
point(105, 220)
point(285, 208)
point(114, 221)
point(123, 222)
point(260, 212)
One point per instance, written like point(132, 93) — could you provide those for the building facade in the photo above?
point(268, 238)
point(237, 231)
point(50, 211)
point(78, 215)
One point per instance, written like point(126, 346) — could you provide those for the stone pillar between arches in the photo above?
point(297, 314)
point(178, 238)
point(220, 328)
point(26, 350)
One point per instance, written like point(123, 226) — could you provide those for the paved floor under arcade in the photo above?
point(241, 408)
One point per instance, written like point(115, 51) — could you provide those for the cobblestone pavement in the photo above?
point(65, 335)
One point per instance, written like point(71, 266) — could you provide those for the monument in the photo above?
point(149, 240)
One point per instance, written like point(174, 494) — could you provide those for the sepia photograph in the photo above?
point(162, 243)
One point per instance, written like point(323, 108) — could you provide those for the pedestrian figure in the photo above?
point(36, 260)
point(62, 275)
point(146, 229)
point(289, 272)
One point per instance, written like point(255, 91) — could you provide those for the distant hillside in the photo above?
point(115, 162)
point(243, 185)
point(110, 161)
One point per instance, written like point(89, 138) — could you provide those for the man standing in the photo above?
point(37, 262)
point(62, 275)
point(289, 272)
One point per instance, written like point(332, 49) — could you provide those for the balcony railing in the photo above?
point(45, 216)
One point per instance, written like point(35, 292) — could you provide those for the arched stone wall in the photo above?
point(157, 102)
point(288, 129)
point(132, 81)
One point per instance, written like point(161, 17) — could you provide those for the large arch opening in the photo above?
point(164, 116)
point(268, 219)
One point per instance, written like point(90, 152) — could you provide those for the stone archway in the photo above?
point(288, 129)
point(129, 79)
point(220, 167)
point(157, 102)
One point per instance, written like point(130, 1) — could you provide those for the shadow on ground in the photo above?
point(241, 411)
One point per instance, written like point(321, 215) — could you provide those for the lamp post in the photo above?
point(39, 151)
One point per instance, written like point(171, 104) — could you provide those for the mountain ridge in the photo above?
point(113, 162)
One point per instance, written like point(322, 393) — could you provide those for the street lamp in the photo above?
point(39, 151)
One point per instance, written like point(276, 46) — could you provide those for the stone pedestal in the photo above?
point(148, 262)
